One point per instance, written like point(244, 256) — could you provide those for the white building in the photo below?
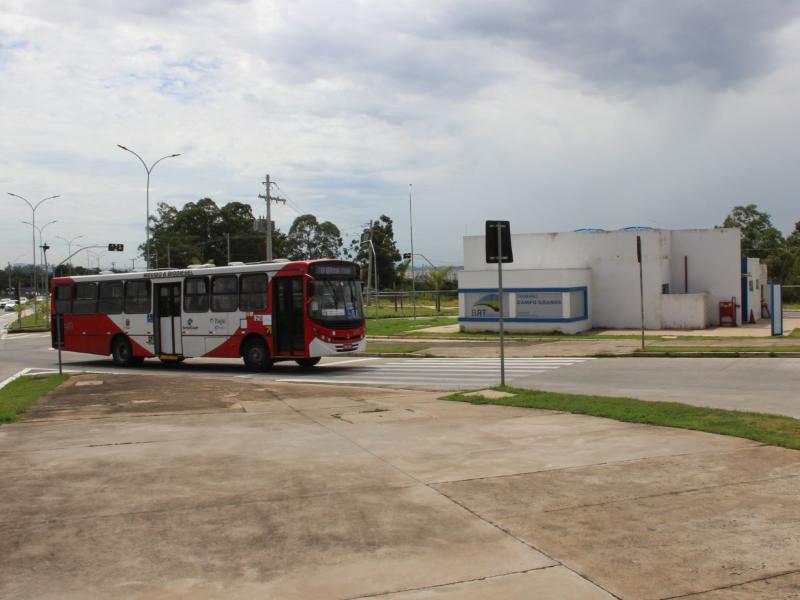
point(576, 281)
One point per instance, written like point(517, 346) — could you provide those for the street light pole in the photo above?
point(44, 262)
point(69, 246)
point(413, 279)
point(33, 228)
point(147, 220)
point(41, 234)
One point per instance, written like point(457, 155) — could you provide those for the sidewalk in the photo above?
point(739, 339)
point(244, 488)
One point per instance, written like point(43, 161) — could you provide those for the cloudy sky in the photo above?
point(554, 114)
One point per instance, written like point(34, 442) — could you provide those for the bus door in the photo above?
point(168, 318)
point(288, 315)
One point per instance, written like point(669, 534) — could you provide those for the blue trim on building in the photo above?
point(581, 288)
point(550, 289)
point(522, 319)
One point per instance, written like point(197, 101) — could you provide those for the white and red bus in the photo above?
point(262, 312)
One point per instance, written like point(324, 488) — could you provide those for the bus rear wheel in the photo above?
point(122, 354)
point(307, 363)
point(255, 355)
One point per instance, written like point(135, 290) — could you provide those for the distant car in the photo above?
point(10, 306)
point(4, 301)
point(23, 300)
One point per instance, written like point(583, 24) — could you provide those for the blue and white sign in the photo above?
point(776, 300)
point(544, 305)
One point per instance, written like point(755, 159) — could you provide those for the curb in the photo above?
point(715, 354)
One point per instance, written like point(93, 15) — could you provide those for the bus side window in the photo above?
point(85, 299)
point(137, 297)
point(195, 295)
point(64, 299)
point(224, 293)
point(253, 292)
point(110, 302)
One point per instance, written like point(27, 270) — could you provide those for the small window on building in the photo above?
point(224, 294)
point(195, 295)
point(64, 299)
point(110, 298)
point(665, 288)
point(750, 285)
point(253, 292)
point(137, 297)
point(85, 299)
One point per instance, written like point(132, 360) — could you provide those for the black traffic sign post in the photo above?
point(498, 250)
point(641, 282)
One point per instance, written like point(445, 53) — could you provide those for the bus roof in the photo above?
point(202, 270)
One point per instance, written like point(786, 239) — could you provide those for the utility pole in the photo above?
point(366, 238)
point(269, 199)
point(413, 278)
point(133, 264)
point(45, 248)
point(228, 242)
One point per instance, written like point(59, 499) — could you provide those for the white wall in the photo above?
point(611, 256)
point(684, 311)
point(714, 265)
point(754, 288)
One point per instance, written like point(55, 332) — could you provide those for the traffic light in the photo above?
point(116, 247)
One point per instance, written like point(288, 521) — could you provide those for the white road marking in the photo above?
point(16, 375)
point(347, 362)
point(447, 373)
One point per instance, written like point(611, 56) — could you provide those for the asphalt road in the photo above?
point(756, 384)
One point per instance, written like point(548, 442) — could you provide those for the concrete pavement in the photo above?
point(200, 487)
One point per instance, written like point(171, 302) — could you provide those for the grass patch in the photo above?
point(29, 323)
point(394, 348)
point(21, 393)
point(716, 349)
point(400, 326)
point(775, 430)
point(795, 333)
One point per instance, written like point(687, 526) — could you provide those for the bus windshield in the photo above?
point(336, 301)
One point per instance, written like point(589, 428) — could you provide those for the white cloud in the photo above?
point(557, 116)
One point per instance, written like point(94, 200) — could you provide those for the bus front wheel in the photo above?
point(307, 363)
point(122, 354)
point(255, 355)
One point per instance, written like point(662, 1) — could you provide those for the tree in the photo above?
point(437, 277)
point(309, 239)
point(200, 232)
point(382, 235)
point(760, 238)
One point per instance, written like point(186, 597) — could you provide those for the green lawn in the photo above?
point(740, 349)
point(769, 429)
point(29, 323)
point(399, 326)
point(20, 393)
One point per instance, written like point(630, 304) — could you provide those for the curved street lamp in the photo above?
point(40, 230)
point(69, 245)
point(147, 221)
point(33, 228)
